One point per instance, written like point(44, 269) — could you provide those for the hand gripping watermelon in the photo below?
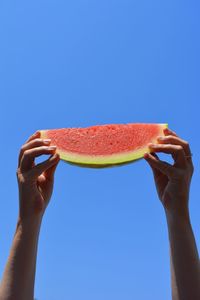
point(104, 145)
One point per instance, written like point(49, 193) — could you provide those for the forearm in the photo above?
point(185, 271)
point(19, 275)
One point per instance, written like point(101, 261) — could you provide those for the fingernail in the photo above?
point(146, 155)
point(52, 147)
point(152, 146)
point(160, 138)
point(46, 141)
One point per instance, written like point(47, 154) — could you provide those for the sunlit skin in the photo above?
point(35, 189)
point(173, 186)
point(172, 181)
point(35, 182)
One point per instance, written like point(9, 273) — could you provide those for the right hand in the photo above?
point(35, 181)
point(172, 181)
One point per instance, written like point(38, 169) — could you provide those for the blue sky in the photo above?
point(80, 63)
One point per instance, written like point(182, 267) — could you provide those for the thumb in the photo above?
point(49, 173)
point(44, 166)
point(158, 165)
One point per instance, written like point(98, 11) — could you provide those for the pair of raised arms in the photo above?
point(35, 189)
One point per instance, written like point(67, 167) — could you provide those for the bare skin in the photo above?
point(173, 186)
point(35, 189)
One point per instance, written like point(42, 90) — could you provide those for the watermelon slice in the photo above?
point(104, 145)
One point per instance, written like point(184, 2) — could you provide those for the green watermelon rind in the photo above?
point(105, 160)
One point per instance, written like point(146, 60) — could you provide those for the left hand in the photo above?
point(35, 181)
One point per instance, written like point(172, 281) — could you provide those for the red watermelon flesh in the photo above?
point(104, 145)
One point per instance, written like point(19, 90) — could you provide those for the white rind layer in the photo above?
point(118, 158)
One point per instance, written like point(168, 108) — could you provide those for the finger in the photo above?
point(29, 156)
point(176, 151)
point(160, 178)
point(175, 140)
point(49, 173)
point(168, 131)
point(155, 155)
point(156, 172)
point(32, 144)
point(33, 136)
point(159, 165)
point(47, 164)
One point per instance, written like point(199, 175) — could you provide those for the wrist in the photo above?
point(178, 217)
point(29, 225)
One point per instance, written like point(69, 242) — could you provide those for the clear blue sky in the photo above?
point(80, 63)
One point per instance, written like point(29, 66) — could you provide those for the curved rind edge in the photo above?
point(103, 161)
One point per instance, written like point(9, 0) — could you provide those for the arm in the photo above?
point(173, 185)
point(35, 189)
point(184, 260)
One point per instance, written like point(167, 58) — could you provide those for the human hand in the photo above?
point(172, 181)
point(35, 181)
